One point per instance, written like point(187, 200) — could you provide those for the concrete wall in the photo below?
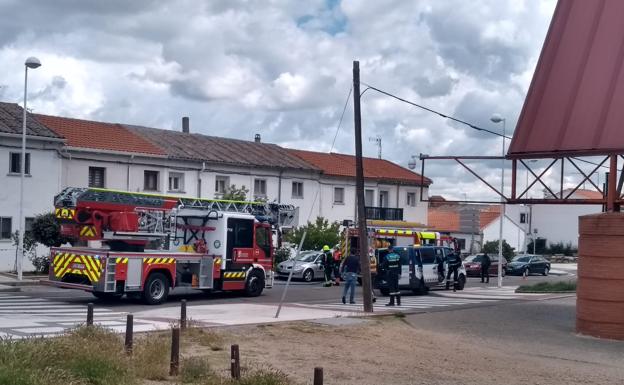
point(39, 190)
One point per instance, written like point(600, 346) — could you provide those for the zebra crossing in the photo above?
point(435, 300)
point(23, 316)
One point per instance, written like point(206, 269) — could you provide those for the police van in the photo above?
point(423, 267)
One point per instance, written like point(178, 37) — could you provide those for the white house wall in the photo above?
point(511, 233)
point(559, 223)
point(39, 190)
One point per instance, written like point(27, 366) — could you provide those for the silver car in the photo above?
point(308, 266)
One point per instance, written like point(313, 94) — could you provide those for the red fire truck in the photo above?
point(197, 243)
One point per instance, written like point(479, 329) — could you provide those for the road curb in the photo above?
point(9, 289)
point(26, 282)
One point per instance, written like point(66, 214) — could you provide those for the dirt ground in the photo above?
point(388, 350)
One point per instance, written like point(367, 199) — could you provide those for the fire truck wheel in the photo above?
point(156, 289)
point(254, 284)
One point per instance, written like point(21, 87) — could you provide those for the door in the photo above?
point(319, 271)
point(405, 261)
point(240, 237)
point(262, 249)
point(429, 265)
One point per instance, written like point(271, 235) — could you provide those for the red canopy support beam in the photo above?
point(612, 185)
point(514, 166)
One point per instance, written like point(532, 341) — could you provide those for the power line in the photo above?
point(341, 116)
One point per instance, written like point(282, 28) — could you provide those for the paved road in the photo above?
point(43, 310)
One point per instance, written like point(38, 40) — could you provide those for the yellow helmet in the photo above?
point(325, 248)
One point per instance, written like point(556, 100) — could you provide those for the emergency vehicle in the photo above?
point(197, 243)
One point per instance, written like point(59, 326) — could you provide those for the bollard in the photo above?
point(129, 331)
point(183, 314)
point(318, 376)
point(235, 362)
point(175, 352)
point(90, 314)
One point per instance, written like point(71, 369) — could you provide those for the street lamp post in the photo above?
point(31, 62)
point(496, 118)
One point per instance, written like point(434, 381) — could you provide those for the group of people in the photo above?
point(331, 265)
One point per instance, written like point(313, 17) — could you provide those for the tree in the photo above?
point(47, 231)
point(235, 194)
point(319, 234)
point(491, 248)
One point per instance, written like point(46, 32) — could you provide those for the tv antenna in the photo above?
point(377, 140)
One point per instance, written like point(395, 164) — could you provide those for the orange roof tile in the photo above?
point(446, 218)
point(98, 135)
point(344, 165)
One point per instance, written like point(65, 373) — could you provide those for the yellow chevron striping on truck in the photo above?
point(121, 260)
point(65, 213)
point(69, 263)
point(234, 274)
point(88, 231)
point(158, 261)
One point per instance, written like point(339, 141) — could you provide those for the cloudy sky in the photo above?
point(283, 69)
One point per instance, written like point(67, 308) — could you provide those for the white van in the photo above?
point(423, 267)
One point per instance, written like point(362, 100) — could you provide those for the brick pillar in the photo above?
point(600, 289)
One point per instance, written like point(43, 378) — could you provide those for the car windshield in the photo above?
point(522, 259)
point(473, 258)
point(306, 257)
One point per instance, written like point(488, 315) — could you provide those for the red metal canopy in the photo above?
point(575, 104)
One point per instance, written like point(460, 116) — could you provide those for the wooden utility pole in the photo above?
point(367, 292)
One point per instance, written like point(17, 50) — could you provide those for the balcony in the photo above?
point(384, 213)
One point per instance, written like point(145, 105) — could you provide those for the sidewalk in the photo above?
point(563, 268)
point(9, 282)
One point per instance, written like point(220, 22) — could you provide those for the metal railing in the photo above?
point(384, 213)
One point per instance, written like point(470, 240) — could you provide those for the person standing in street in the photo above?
point(453, 261)
point(393, 270)
point(486, 262)
point(349, 270)
point(328, 265)
point(337, 259)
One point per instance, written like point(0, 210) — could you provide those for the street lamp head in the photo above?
point(412, 163)
point(497, 118)
point(32, 62)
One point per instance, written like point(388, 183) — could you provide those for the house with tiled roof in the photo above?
point(41, 181)
point(391, 192)
point(86, 153)
point(473, 225)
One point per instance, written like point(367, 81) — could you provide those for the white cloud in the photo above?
point(283, 68)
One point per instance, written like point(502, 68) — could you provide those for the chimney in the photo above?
point(185, 124)
point(257, 138)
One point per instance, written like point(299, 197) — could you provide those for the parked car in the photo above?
point(423, 268)
point(529, 264)
point(473, 265)
point(308, 266)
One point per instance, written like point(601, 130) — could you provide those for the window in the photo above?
point(221, 184)
point(411, 199)
point(259, 188)
point(15, 162)
point(522, 217)
point(28, 222)
point(369, 198)
point(176, 181)
point(5, 228)
point(96, 177)
point(150, 180)
point(338, 195)
point(461, 243)
point(262, 237)
point(297, 189)
point(383, 199)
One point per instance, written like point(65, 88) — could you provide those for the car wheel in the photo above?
point(384, 291)
point(156, 289)
point(254, 284)
point(308, 275)
point(545, 273)
point(461, 282)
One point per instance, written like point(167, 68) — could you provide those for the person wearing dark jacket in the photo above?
point(349, 271)
point(453, 261)
point(328, 265)
point(392, 265)
point(486, 262)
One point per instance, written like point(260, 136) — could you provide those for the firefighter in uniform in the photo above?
point(393, 269)
point(328, 265)
point(453, 261)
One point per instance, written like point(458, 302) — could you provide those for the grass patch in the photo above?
point(203, 337)
point(548, 287)
point(196, 370)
